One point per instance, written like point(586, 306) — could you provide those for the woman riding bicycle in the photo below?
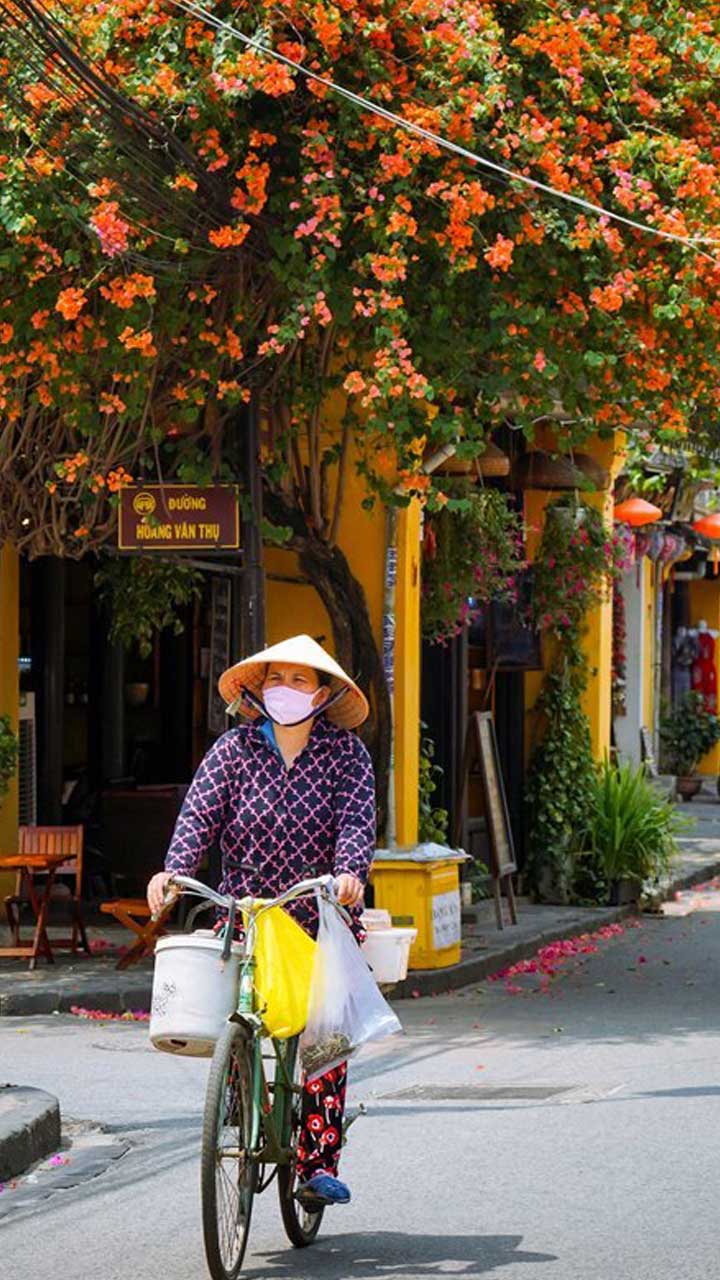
point(288, 796)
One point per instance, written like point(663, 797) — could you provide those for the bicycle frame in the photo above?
point(271, 1115)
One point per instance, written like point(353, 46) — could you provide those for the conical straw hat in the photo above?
point(348, 712)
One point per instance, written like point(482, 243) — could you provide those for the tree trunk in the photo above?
point(343, 596)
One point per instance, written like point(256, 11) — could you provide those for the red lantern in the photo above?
point(709, 527)
point(637, 512)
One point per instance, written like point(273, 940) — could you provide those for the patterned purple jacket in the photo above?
point(275, 826)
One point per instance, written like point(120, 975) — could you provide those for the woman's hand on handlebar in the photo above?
point(157, 891)
point(349, 890)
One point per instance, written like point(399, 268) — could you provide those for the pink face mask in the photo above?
point(289, 706)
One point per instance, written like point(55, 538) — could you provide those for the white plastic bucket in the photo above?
point(387, 951)
point(194, 993)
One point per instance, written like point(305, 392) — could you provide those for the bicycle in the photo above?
point(251, 1123)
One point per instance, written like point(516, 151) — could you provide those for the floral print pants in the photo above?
point(320, 1137)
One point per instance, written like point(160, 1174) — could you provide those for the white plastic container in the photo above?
point(194, 993)
point(375, 918)
point(387, 951)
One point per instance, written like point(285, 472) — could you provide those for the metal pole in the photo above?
point(253, 582)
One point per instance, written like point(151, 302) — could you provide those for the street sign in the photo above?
point(178, 517)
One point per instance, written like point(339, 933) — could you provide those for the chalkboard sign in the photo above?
point(219, 651)
point(496, 811)
point(481, 755)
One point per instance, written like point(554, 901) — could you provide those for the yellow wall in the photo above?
point(705, 603)
point(9, 686)
point(597, 642)
point(294, 607)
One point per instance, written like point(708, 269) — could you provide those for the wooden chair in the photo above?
point(51, 842)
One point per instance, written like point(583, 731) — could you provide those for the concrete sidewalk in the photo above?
point(95, 983)
point(487, 950)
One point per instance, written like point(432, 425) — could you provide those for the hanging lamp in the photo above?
point(637, 512)
point(709, 527)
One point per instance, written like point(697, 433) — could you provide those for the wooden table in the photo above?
point(29, 865)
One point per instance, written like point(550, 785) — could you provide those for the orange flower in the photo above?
point(111, 403)
point(500, 255)
point(123, 291)
point(142, 342)
point(228, 237)
point(184, 181)
point(6, 333)
point(354, 384)
point(112, 230)
point(70, 303)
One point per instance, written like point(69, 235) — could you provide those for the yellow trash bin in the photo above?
point(422, 888)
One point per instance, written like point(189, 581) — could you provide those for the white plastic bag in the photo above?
point(346, 1006)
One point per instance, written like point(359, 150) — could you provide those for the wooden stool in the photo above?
point(134, 914)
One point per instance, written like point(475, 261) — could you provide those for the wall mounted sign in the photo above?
point(179, 517)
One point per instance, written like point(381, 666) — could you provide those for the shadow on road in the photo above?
point(364, 1255)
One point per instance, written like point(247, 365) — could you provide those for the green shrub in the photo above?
point(559, 786)
point(687, 733)
point(632, 827)
point(8, 754)
point(433, 822)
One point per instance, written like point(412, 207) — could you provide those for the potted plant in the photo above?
point(630, 834)
point(8, 755)
point(575, 564)
point(473, 548)
point(687, 733)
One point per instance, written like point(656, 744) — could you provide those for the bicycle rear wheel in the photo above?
point(301, 1226)
point(228, 1176)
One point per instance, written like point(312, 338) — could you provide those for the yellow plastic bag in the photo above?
point(284, 955)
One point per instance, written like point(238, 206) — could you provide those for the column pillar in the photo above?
point(627, 727)
point(407, 675)
point(113, 713)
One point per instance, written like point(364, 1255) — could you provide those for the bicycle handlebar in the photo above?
point(225, 901)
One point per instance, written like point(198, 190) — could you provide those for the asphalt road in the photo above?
point(569, 1135)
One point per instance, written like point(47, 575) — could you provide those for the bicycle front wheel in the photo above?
point(228, 1174)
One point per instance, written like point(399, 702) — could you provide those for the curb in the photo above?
point(666, 892)
point(29, 1128)
point(115, 999)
